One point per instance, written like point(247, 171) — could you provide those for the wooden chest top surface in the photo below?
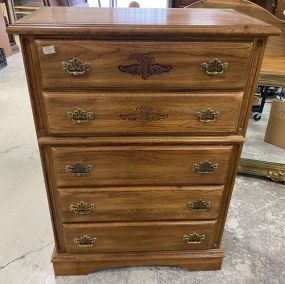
point(66, 20)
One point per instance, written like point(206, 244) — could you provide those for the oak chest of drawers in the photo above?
point(140, 117)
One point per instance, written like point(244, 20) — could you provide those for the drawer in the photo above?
point(138, 236)
point(143, 65)
point(142, 113)
point(141, 165)
point(139, 203)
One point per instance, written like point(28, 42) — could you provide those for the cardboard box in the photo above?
point(275, 131)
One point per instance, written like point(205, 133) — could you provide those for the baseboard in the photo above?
point(78, 264)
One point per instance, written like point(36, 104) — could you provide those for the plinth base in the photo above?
point(78, 264)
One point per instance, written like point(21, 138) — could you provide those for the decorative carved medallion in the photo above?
point(278, 176)
point(199, 205)
point(143, 115)
point(85, 241)
point(207, 115)
point(205, 167)
point(78, 169)
point(82, 208)
point(194, 238)
point(76, 67)
point(214, 67)
point(80, 116)
point(145, 67)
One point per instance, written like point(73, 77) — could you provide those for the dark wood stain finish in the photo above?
point(139, 141)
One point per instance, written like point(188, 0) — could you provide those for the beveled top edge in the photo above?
point(60, 20)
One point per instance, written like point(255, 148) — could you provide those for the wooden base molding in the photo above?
point(80, 264)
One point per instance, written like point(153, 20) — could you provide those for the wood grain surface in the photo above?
point(139, 236)
point(273, 71)
point(76, 264)
point(96, 21)
point(140, 203)
point(143, 141)
point(178, 111)
point(141, 165)
point(105, 58)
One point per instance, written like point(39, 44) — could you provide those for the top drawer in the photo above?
point(143, 65)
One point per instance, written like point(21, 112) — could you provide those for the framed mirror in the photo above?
point(264, 152)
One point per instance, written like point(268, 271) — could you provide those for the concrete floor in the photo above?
point(254, 239)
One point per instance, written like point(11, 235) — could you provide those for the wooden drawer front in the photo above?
point(141, 236)
point(142, 113)
point(95, 166)
point(142, 65)
point(140, 203)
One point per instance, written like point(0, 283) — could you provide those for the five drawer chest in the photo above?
point(140, 117)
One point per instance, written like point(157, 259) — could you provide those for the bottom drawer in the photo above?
point(138, 236)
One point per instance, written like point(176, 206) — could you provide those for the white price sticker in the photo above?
point(49, 49)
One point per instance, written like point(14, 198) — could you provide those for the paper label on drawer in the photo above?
point(49, 49)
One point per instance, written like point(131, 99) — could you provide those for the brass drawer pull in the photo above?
point(199, 205)
point(143, 115)
point(207, 115)
point(194, 238)
point(85, 241)
point(82, 208)
point(78, 169)
point(145, 67)
point(214, 67)
point(205, 167)
point(80, 116)
point(76, 67)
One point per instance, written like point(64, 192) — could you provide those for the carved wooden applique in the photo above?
point(143, 115)
point(145, 67)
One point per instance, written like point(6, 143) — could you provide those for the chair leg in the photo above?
point(257, 110)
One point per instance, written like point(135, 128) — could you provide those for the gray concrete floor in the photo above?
point(254, 239)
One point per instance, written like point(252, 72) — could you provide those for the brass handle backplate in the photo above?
point(194, 238)
point(205, 167)
point(80, 116)
point(207, 115)
point(214, 67)
point(82, 208)
point(85, 241)
point(78, 169)
point(199, 205)
point(76, 67)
